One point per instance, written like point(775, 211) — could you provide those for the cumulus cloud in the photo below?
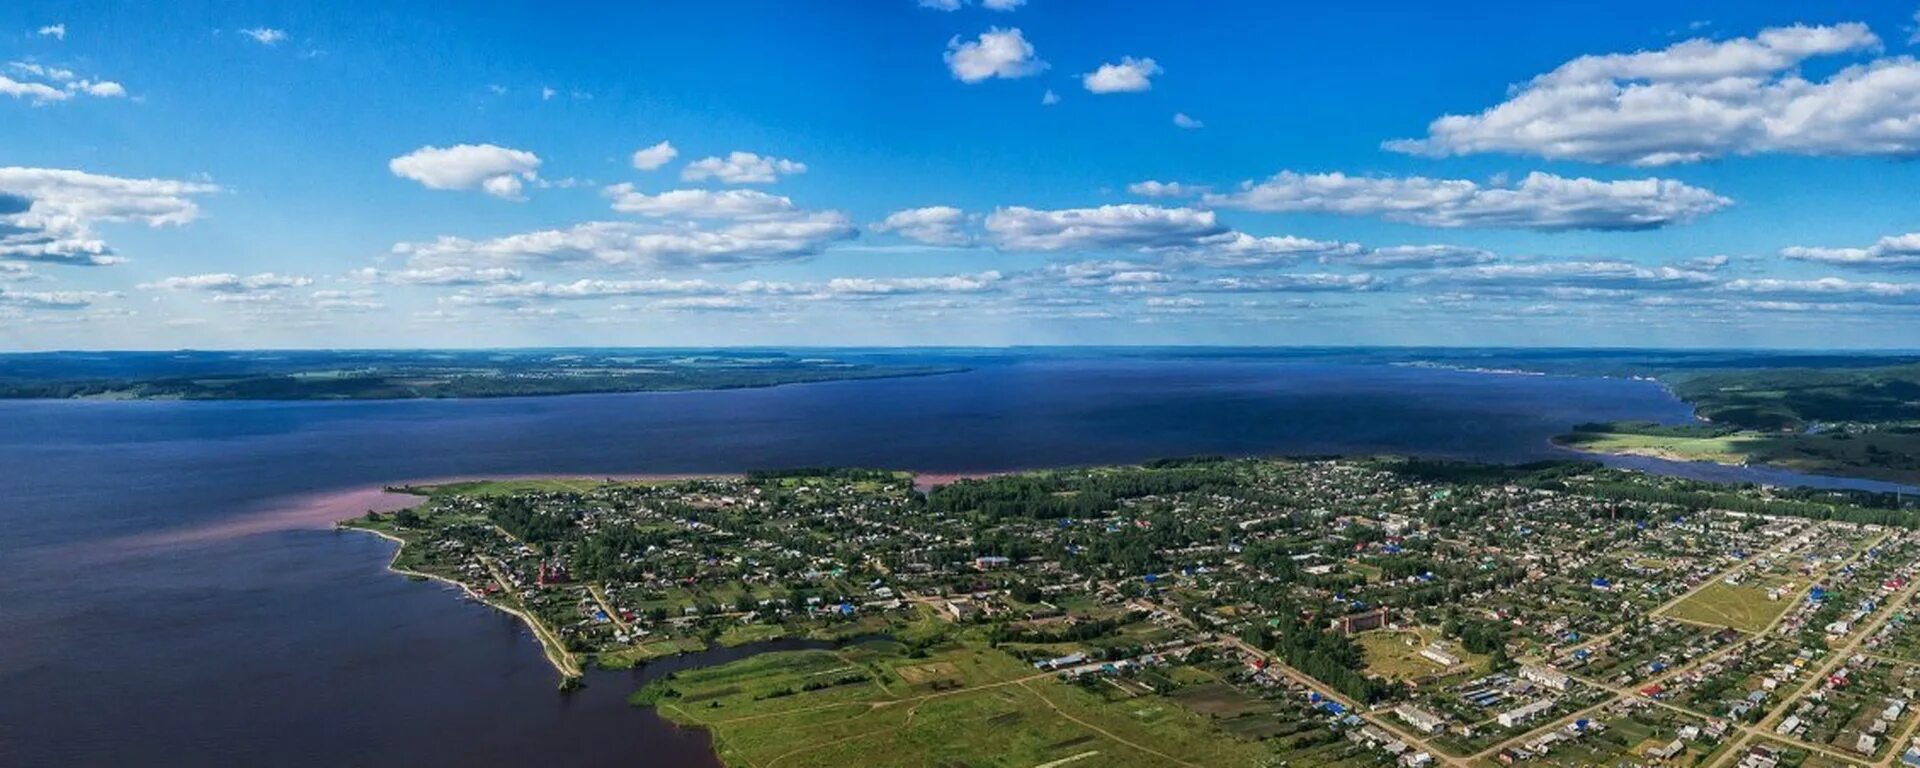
point(52, 300)
point(933, 225)
point(704, 304)
point(584, 290)
point(1101, 273)
point(1002, 5)
point(1129, 226)
point(48, 214)
point(1701, 99)
point(227, 282)
point(741, 168)
point(652, 158)
point(835, 288)
point(1151, 188)
point(1888, 253)
point(1575, 276)
point(55, 31)
point(498, 171)
point(357, 300)
point(1827, 289)
point(942, 5)
point(629, 245)
point(1239, 249)
point(701, 203)
point(441, 276)
point(1706, 263)
point(1180, 119)
point(1411, 257)
point(1541, 201)
point(1131, 75)
point(997, 52)
point(893, 286)
point(1300, 283)
point(265, 35)
point(41, 84)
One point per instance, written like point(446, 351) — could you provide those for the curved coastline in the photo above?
point(556, 654)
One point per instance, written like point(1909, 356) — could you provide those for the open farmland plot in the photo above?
point(1746, 606)
point(961, 707)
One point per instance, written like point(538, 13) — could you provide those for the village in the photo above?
point(1328, 612)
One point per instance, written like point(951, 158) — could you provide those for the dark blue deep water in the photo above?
point(155, 611)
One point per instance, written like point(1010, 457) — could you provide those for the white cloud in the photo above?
point(1239, 249)
point(1891, 252)
point(227, 282)
point(586, 290)
point(891, 286)
point(360, 300)
point(1411, 257)
point(1181, 119)
point(624, 244)
point(942, 5)
point(1541, 201)
point(44, 84)
point(1603, 276)
point(55, 31)
point(1701, 99)
point(703, 304)
point(1302, 283)
point(701, 203)
point(39, 93)
point(933, 225)
point(996, 53)
point(443, 276)
point(839, 287)
point(265, 35)
point(1827, 289)
point(48, 214)
point(1151, 188)
point(1002, 5)
point(53, 300)
point(652, 158)
point(498, 171)
point(1131, 75)
point(1706, 263)
point(741, 168)
point(1049, 98)
point(1129, 226)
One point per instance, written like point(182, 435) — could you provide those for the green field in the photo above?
point(1744, 607)
point(1723, 449)
point(1887, 452)
point(509, 487)
point(1390, 655)
point(874, 705)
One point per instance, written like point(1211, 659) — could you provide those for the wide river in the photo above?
point(170, 593)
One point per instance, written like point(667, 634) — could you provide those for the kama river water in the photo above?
point(170, 593)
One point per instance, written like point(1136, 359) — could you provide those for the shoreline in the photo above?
point(557, 655)
point(1789, 476)
point(563, 661)
point(109, 398)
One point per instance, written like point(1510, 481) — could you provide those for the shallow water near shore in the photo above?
point(170, 592)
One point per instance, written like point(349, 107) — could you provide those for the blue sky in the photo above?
point(195, 174)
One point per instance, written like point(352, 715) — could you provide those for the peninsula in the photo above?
point(1849, 421)
point(1214, 612)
